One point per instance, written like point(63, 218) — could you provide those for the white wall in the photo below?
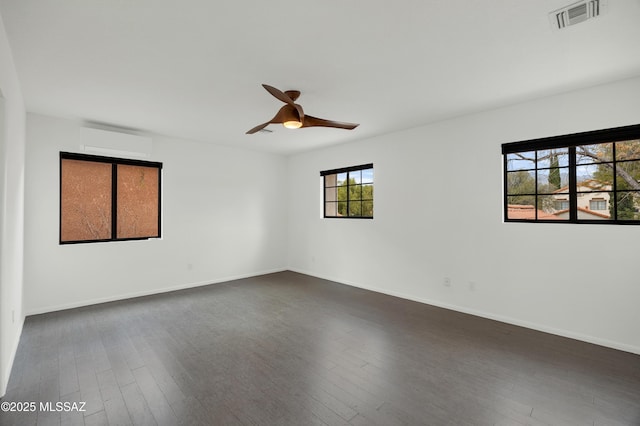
point(438, 213)
point(12, 141)
point(224, 217)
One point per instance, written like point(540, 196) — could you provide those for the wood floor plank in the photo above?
point(289, 349)
point(89, 388)
point(72, 417)
point(219, 413)
point(164, 380)
point(117, 412)
point(190, 411)
point(97, 419)
point(68, 373)
point(137, 406)
point(158, 404)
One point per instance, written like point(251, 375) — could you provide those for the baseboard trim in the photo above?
point(7, 373)
point(97, 301)
point(505, 319)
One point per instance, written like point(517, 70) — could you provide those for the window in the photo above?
point(598, 204)
point(562, 205)
point(348, 192)
point(591, 177)
point(108, 199)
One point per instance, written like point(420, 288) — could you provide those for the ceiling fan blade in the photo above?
point(258, 128)
point(310, 121)
point(280, 95)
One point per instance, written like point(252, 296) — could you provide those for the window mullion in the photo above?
point(613, 195)
point(573, 190)
point(348, 194)
point(505, 190)
point(114, 201)
point(535, 188)
point(159, 203)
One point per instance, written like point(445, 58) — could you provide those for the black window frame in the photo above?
point(114, 161)
point(570, 142)
point(347, 170)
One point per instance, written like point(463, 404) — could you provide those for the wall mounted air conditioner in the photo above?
point(115, 144)
point(577, 12)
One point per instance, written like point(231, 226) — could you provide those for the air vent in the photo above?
point(576, 13)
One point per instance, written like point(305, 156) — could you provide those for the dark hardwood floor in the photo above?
point(288, 349)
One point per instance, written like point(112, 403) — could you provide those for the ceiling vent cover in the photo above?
point(576, 13)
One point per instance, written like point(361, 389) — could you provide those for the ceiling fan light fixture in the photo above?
point(292, 124)
point(291, 115)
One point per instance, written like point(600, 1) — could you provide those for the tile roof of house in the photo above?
point(527, 211)
point(602, 215)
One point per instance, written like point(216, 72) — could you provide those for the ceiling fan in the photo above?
point(292, 116)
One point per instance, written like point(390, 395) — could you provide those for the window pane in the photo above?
point(85, 210)
point(521, 161)
point(342, 208)
point(628, 150)
point(367, 208)
point(594, 177)
point(628, 205)
point(330, 180)
point(553, 180)
point(355, 192)
point(522, 200)
point(628, 175)
point(597, 153)
point(342, 193)
point(547, 209)
point(367, 192)
point(553, 158)
point(331, 209)
point(138, 201)
point(355, 177)
point(521, 182)
point(331, 194)
point(594, 205)
point(520, 208)
point(342, 178)
point(367, 176)
point(355, 208)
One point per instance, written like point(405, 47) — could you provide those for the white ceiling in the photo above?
point(193, 68)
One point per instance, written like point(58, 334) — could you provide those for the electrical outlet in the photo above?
point(447, 282)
